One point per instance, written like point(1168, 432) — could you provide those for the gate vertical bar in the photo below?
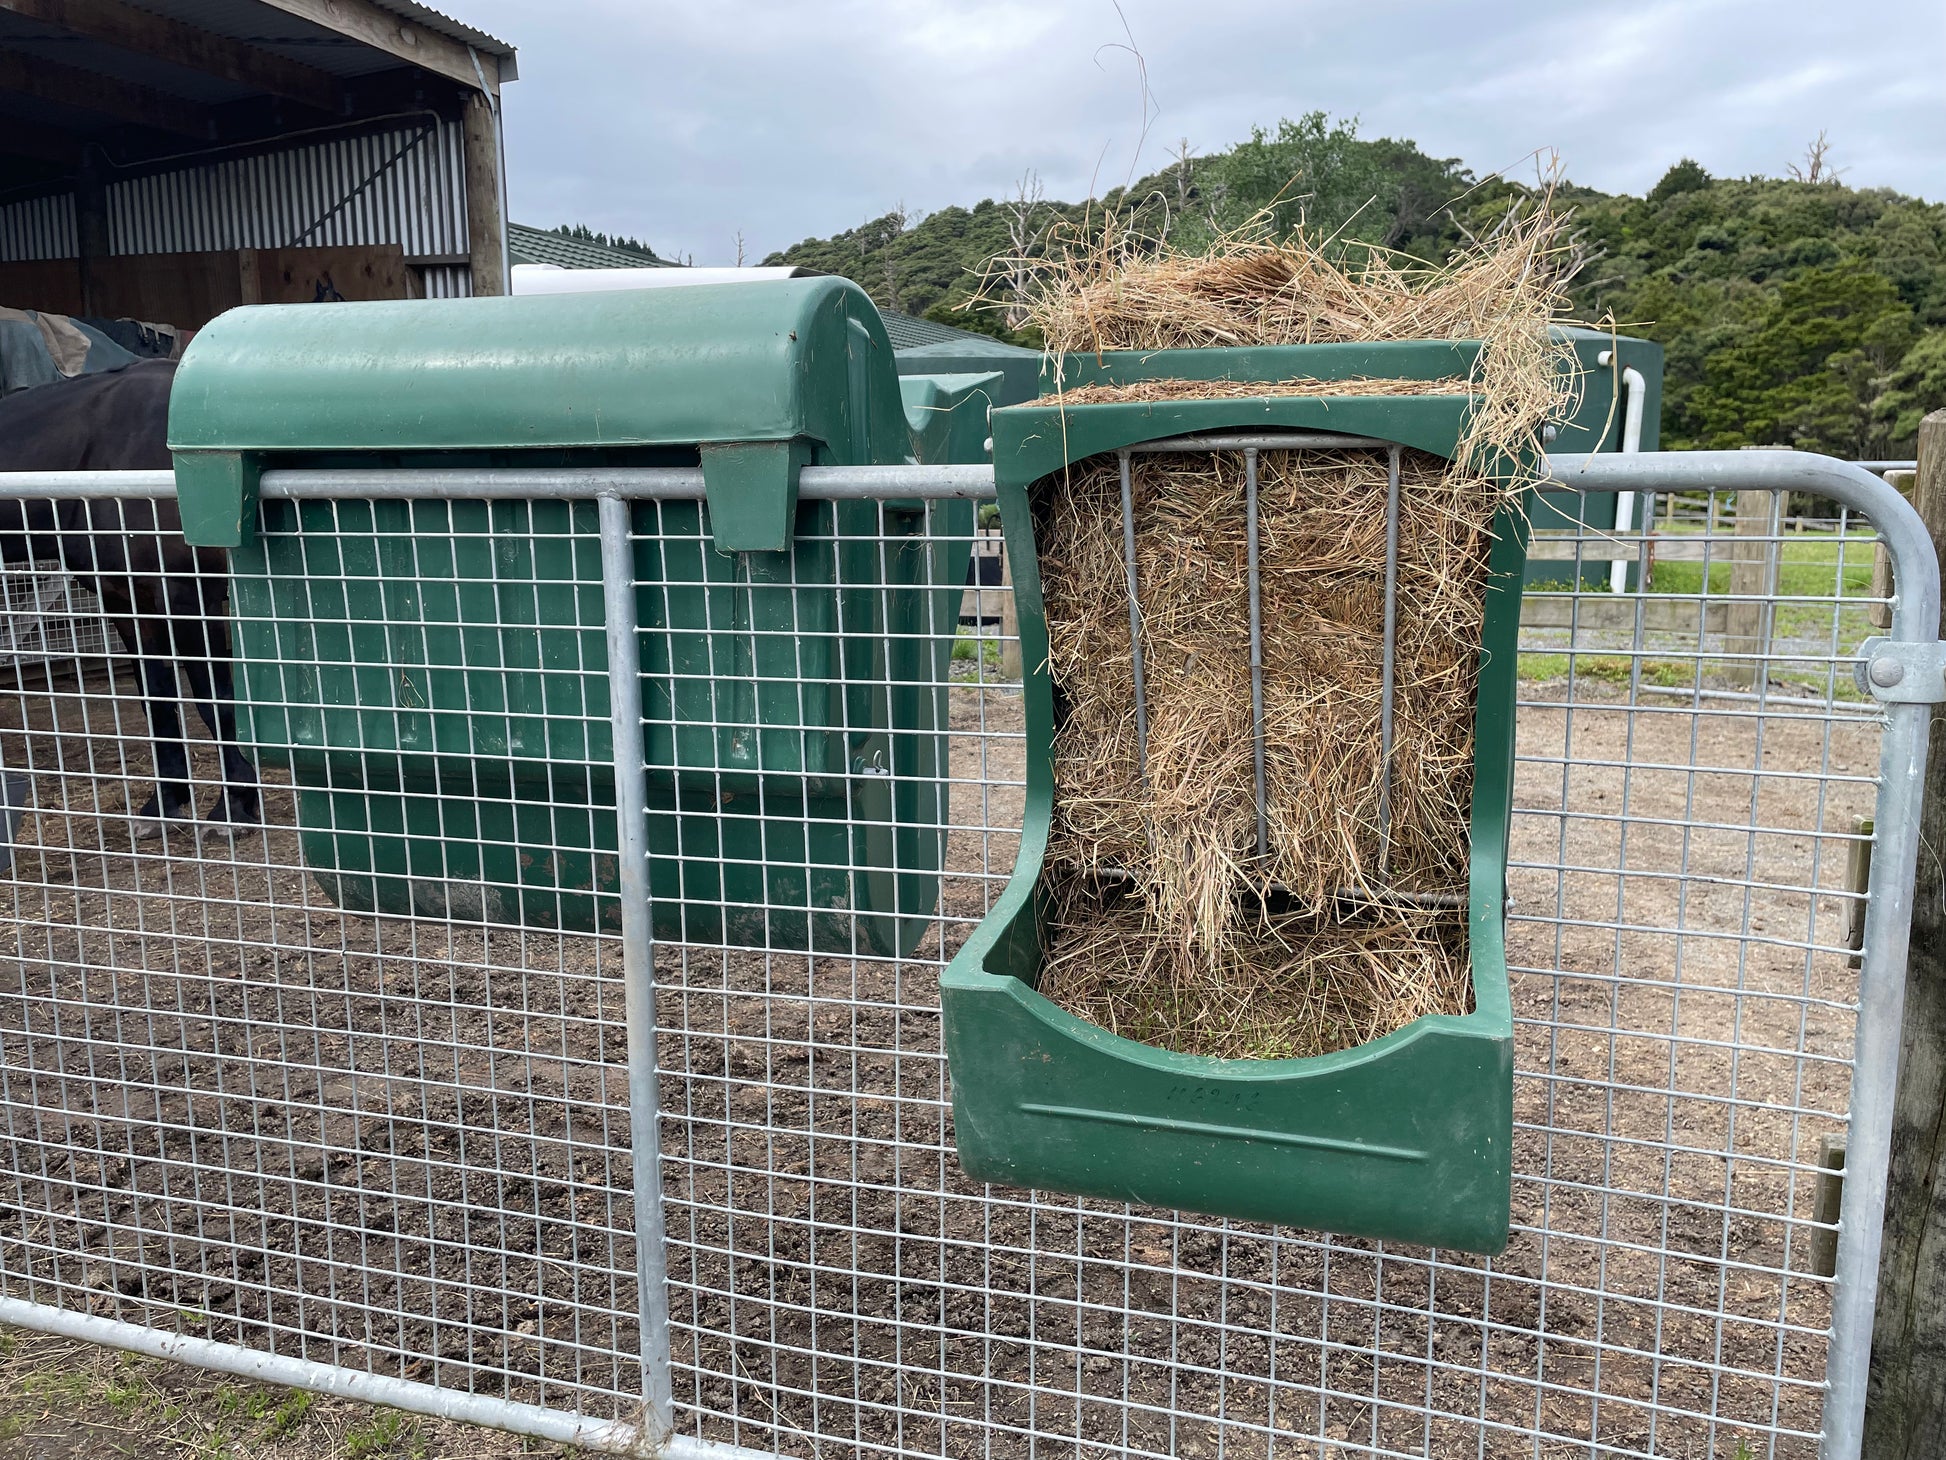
point(1881, 1007)
point(1388, 667)
point(1256, 651)
point(638, 956)
point(1134, 622)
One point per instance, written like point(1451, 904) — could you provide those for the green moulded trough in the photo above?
point(1407, 1138)
point(433, 672)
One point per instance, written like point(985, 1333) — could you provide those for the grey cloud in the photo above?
point(685, 123)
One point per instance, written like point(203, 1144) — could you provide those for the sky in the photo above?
point(693, 123)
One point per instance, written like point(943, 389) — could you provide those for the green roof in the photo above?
point(909, 332)
point(538, 246)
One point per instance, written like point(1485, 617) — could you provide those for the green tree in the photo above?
point(1811, 372)
point(1788, 311)
point(1914, 388)
point(1785, 309)
point(1383, 193)
point(1686, 176)
point(1307, 173)
point(583, 233)
point(1323, 177)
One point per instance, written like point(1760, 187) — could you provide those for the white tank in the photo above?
point(553, 279)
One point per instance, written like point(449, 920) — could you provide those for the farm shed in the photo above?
point(167, 162)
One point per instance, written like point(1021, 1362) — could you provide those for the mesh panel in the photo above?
point(394, 1136)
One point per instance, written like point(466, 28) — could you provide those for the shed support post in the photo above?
point(91, 225)
point(1905, 1405)
point(486, 220)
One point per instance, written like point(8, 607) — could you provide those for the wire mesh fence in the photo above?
point(44, 616)
point(392, 1143)
point(354, 1088)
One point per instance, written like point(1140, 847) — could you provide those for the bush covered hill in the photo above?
point(1805, 313)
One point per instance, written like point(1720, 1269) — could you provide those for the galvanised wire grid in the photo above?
point(397, 1145)
point(401, 1145)
point(1685, 1016)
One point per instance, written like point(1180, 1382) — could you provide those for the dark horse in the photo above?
point(168, 600)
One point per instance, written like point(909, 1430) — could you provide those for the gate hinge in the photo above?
point(1902, 674)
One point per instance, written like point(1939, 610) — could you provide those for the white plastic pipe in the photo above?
point(1636, 390)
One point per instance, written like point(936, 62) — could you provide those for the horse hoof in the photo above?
point(152, 823)
point(227, 820)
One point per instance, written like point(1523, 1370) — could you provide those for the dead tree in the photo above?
point(1028, 217)
point(1816, 167)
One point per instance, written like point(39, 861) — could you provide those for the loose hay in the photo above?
point(1291, 983)
point(1209, 948)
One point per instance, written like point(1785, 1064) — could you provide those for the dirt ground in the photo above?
point(404, 1144)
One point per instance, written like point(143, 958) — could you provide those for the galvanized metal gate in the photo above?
point(696, 1199)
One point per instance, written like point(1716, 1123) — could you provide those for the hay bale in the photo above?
point(1165, 923)
point(1189, 826)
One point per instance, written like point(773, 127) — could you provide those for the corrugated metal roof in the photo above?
point(254, 23)
point(909, 332)
point(538, 246)
point(458, 30)
point(279, 33)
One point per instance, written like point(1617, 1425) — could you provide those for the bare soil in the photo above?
point(404, 1144)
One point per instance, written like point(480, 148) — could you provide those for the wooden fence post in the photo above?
point(1880, 614)
point(1009, 622)
point(1753, 577)
point(1905, 1406)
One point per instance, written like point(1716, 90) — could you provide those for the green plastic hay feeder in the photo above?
point(1407, 1138)
point(433, 673)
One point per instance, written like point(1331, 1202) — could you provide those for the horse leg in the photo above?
point(239, 806)
point(135, 607)
point(173, 799)
point(204, 612)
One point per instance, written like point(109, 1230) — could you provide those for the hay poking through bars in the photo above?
point(1166, 925)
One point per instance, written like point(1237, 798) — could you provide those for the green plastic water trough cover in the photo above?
point(433, 672)
point(1406, 1138)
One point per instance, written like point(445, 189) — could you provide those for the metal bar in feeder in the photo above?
point(1134, 622)
point(1262, 440)
point(1256, 649)
point(1357, 896)
point(1388, 665)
